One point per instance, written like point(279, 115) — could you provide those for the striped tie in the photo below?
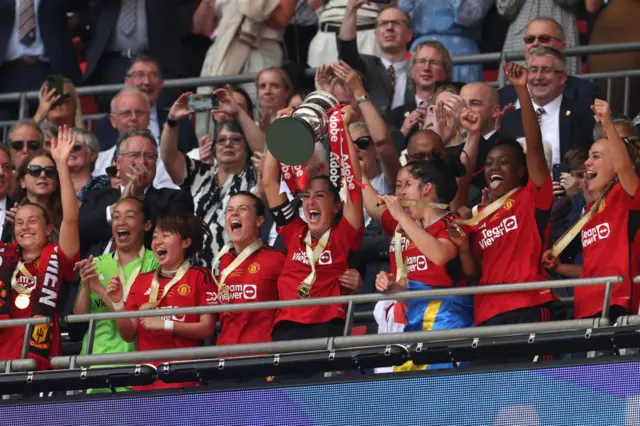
point(539, 112)
point(27, 23)
point(392, 77)
point(127, 18)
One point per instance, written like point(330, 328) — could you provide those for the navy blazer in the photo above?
point(576, 125)
point(578, 89)
point(108, 136)
point(7, 228)
point(52, 22)
point(168, 22)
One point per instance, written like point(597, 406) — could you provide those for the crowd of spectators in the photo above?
point(157, 206)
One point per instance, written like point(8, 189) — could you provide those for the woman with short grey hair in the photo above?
point(82, 161)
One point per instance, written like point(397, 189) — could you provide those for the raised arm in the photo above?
point(171, 156)
point(204, 18)
point(271, 182)
point(370, 198)
point(378, 129)
point(69, 232)
point(346, 40)
point(255, 137)
point(471, 122)
point(622, 163)
point(353, 209)
point(536, 162)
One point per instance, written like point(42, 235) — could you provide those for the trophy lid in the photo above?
point(290, 141)
point(323, 97)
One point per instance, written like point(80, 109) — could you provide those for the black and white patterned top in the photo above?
point(210, 201)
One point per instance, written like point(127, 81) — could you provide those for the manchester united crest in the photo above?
point(254, 268)
point(184, 289)
point(508, 205)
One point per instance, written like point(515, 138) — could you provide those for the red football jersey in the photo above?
point(510, 244)
point(419, 267)
point(606, 251)
point(11, 338)
point(331, 264)
point(254, 280)
point(190, 291)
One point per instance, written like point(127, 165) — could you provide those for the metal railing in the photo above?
point(334, 342)
point(24, 97)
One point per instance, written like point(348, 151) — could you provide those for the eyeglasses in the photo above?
point(542, 38)
point(544, 70)
point(235, 140)
point(140, 75)
point(112, 171)
point(138, 155)
point(431, 62)
point(362, 142)
point(394, 23)
point(31, 145)
point(128, 114)
point(36, 171)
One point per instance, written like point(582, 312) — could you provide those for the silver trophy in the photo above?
point(291, 139)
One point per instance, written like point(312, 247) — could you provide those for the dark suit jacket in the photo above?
point(52, 22)
point(396, 116)
point(108, 136)
point(376, 79)
point(7, 228)
point(576, 129)
point(578, 89)
point(168, 22)
point(94, 228)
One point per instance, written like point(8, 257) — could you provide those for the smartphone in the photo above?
point(558, 169)
point(203, 102)
point(56, 82)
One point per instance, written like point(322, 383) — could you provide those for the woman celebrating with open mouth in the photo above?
point(316, 250)
point(608, 227)
point(508, 235)
point(36, 268)
point(175, 284)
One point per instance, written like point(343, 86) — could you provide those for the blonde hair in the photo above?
point(73, 94)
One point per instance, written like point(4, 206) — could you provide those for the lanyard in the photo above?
point(134, 274)
point(14, 279)
point(489, 210)
point(304, 289)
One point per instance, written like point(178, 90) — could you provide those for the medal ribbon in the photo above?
point(14, 279)
point(314, 254)
point(401, 268)
point(340, 165)
point(420, 204)
point(155, 285)
point(562, 242)
point(134, 274)
point(489, 210)
point(244, 255)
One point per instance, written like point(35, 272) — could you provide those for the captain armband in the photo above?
point(283, 214)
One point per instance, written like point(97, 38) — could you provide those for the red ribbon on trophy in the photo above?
point(340, 166)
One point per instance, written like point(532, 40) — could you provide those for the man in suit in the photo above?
point(123, 29)
point(386, 78)
point(544, 31)
point(6, 203)
point(34, 43)
point(137, 155)
point(130, 110)
point(564, 122)
point(483, 99)
point(144, 74)
point(431, 63)
point(25, 137)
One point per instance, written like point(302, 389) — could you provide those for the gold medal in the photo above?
point(148, 305)
point(22, 301)
point(304, 291)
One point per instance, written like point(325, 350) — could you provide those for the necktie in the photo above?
point(392, 77)
point(27, 23)
point(127, 18)
point(539, 112)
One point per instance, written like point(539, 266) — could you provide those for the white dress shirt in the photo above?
point(3, 213)
point(154, 124)
point(15, 49)
point(550, 126)
point(401, 81)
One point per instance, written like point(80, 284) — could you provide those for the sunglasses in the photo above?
point(36, 171)
point(31, 145)
point(112, 171)
point(362, 142)
point(542, 38)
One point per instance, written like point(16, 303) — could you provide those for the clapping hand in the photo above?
point(350, 78)
point(115, 290)
point(323, 78)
